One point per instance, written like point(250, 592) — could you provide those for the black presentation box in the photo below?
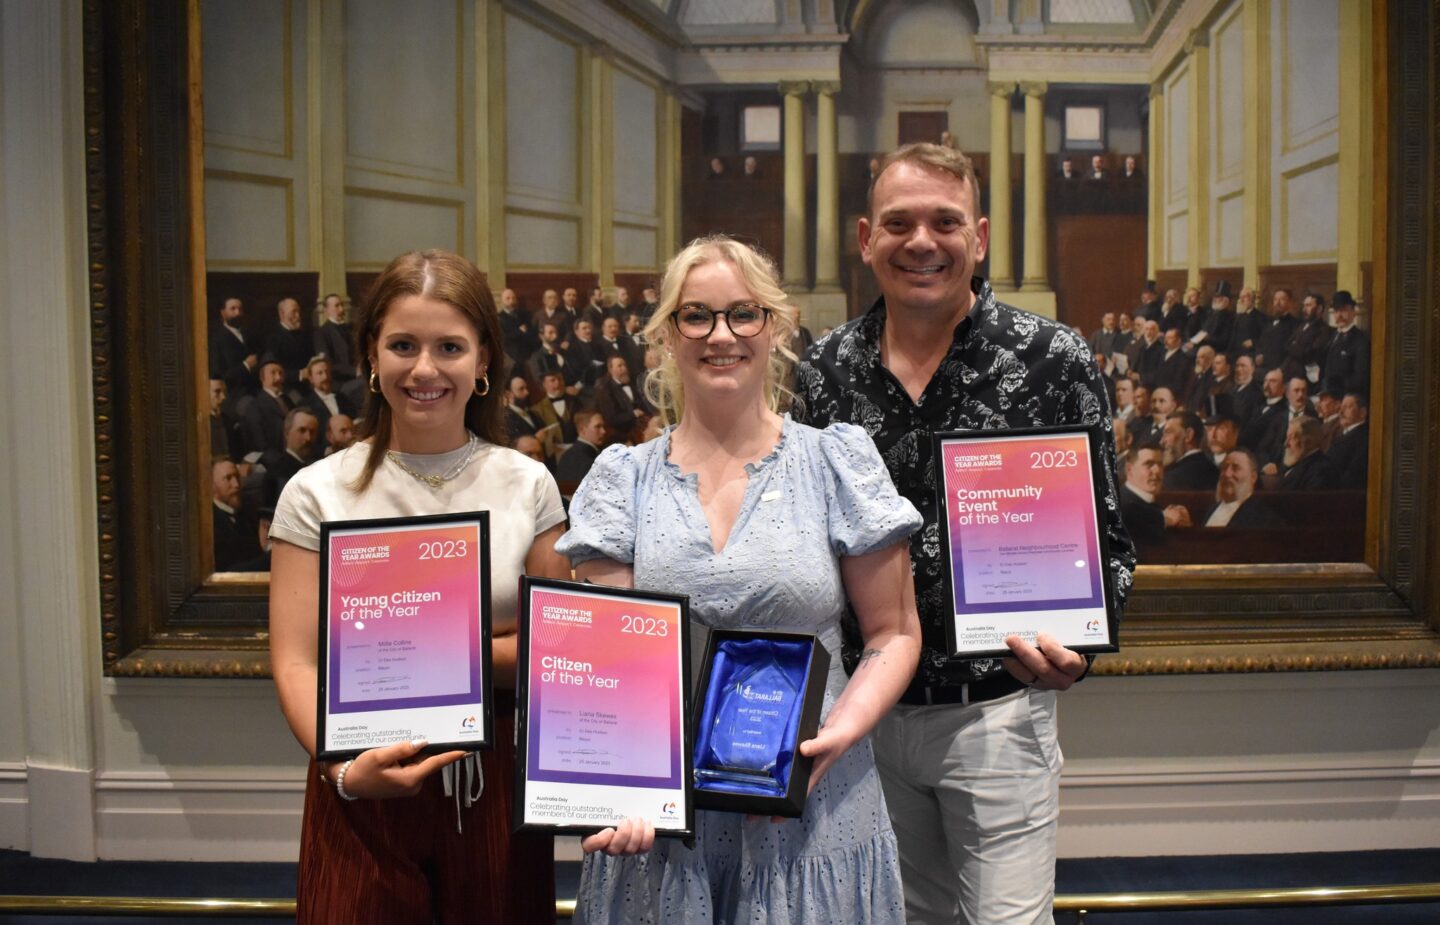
point(757, 680)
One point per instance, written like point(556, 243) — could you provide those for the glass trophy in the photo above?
point(752, 726)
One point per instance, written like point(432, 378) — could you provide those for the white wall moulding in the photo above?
point(1190, 765)
point(60, 807)
point(52, 567)
point(14, 807)
point(161, 817)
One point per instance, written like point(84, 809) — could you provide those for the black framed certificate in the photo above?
point(1021, 512)
point(404, 638)
point(602, 706)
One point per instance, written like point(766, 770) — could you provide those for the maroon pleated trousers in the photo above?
point(392, 862)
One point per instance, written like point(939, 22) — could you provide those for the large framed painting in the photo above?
point(191, 307)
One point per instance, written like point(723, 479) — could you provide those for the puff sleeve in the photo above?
point(602, 513)
point(866, 513)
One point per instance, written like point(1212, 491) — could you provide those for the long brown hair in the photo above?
point(445, 277)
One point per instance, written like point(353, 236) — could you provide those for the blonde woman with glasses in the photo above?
point(765, 523)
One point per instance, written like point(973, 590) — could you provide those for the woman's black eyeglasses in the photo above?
point(696, 320)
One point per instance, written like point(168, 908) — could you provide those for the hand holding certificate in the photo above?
point(1025, 552)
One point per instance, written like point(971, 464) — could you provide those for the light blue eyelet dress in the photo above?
point(818, 496)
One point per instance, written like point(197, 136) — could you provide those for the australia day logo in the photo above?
point(669, 809)
point(1092, 627)
point(467, 724)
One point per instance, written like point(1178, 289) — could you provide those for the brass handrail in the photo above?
point(147, 905)
point(1079, 903)
point(1253, 898)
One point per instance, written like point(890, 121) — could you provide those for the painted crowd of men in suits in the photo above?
point(1225, 397)
point(578, 375)
point(281, 396)
point(1099, 168)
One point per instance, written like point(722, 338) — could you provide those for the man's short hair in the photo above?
point(583, 416)
point(1132, 455)
point(1319, 299)
point(1242, 451)
point(1360, 399)
point(1190, 421)
point(1312, 430)
point(930, 155)
point(296, 412)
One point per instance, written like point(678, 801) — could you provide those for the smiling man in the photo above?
point(968, 758)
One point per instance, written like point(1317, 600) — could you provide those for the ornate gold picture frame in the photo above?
point(164, 613)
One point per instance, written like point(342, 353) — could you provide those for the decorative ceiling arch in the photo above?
point(855, 13)
point(916, 33)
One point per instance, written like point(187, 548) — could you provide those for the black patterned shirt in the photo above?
point(1005, 368)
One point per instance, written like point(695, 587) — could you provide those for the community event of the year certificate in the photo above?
point(1022, 529)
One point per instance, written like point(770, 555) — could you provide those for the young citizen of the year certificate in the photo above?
point(1024, 550)
point(601, 706)
point(404, 643)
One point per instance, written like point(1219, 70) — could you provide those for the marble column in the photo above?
point(1002, 263)
point(793, 258)
point(827, 189)
point(1034, 277)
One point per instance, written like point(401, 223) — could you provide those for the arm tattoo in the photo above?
point(869, 654)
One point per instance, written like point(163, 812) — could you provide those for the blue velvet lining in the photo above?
point(732, 657)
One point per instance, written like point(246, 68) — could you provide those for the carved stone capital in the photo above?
point(1004, 88)
point(795, 87)
point(1157, 90)
point(825, 87)
point(1034, 87)
point(1198, 38)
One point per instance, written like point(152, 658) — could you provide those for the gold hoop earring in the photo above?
point(375, 382)
point(485, 379)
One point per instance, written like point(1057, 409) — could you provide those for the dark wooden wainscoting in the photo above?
point(1099, 266)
